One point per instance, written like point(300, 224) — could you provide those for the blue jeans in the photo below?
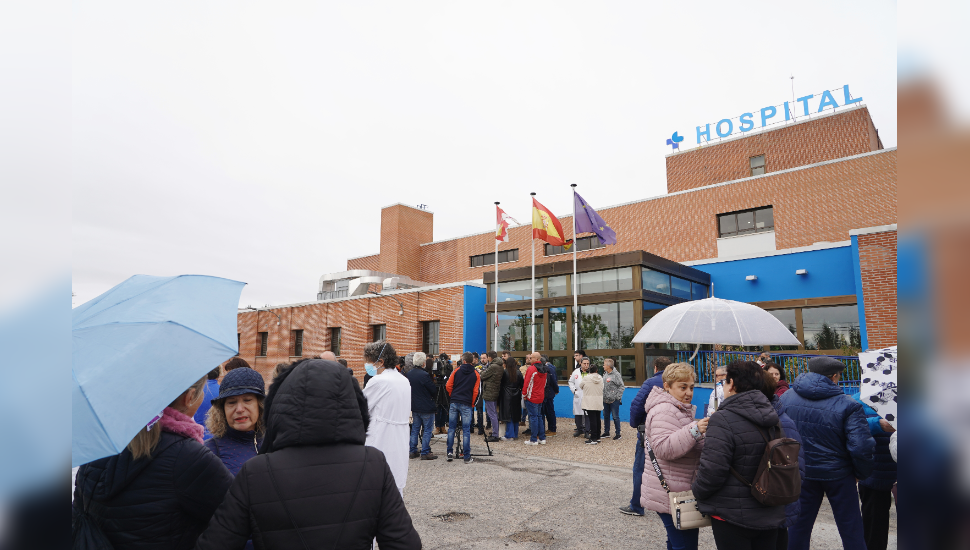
point(844, 498)
point(427, 421)
point(677, 539)
point(536, 421)
point(638, 461)
point(611, 409)
point(549, 410)
point(466, 426)
point(511, 429)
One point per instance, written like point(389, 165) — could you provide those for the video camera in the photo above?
point(441, 368)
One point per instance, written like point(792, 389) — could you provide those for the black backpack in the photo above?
point(777, 481)
point(86, 530)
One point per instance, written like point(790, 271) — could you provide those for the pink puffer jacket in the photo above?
point(678, 453)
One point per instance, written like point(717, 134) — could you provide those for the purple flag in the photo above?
point(588, 221)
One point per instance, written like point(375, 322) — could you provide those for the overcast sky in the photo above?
point(258, 141)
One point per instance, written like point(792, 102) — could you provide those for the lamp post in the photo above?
point(279, 320)
point(400, 311)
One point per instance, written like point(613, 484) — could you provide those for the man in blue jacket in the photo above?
point(838, 452)
point(638, 415)
point(876, 490)
point(423, 393)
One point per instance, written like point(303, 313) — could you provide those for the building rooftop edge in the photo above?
point(364, 256)
point(874, 229)
point(767, 129)
point(407, 205)
point(782, 252)
point(694, 190)
point(474, 283)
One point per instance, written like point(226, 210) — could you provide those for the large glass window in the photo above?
point(430, 337)
point(558, 286)
point(558, 329)
point(489, 259)
point(626, 364)
point(831, 328)
point(745, 222)
point(515, 330)
point(511, 291)
point(787, 318)
point(655, 281)
point(608, 280)
point(698, 291)
point(561, 363)
point(606, 326)
point(679, 288)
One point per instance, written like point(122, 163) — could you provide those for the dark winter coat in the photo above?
point(833, 427)
point(492, 380)
point(884, 467)
point(637, 413)
point(510, 404)
point(552, 381)
point(423, 391)
point(313, 483)
point(463, 385)
point(163, 502)
point(782, 388)
point(793, 509)
point(733, 439)
point(234, 448)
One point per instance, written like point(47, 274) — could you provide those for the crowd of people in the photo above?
point(226, 464)
point(845, 454)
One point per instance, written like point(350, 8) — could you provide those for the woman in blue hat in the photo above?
point(236, 418)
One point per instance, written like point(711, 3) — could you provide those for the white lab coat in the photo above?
point(389, 402)
point(574, 379)
point(717, 392)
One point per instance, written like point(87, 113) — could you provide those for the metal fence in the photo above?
point(793, 364)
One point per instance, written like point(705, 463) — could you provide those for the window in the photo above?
point(608, 280)
point(263, 340)
point(831, 328)
point(515, 330)
point(679, 288)
point(655, 281)
point(626, 364)
point(606, 326)
point(746, 222)
point(558, 329)
point(582, 243)
point(238, 342)
point(504, 256)
point(335, 341)
point(511, 291)
point(558, 286)
point(757, 165)
point(787, 318)
point(429, 337)
point(378, 333)
point(298, 343)
point(698, 291)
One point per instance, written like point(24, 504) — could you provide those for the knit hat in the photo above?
point(826, 366)
point(240, 381)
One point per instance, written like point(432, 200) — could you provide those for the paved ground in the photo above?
point(531, 498)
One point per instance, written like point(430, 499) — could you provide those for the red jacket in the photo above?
point(534, 386)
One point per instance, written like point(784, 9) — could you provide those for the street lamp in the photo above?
point(257, 310)
point(400, 311)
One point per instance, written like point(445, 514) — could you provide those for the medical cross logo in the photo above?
point(674, 141)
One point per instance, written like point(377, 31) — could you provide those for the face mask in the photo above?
point(370, 369)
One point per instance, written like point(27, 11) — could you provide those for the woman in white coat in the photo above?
point(388, 396)
point(582, 423)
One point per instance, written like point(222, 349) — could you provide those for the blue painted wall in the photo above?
point(564, 403)
point(860, 303)
point(830, 273)
point(473, 329)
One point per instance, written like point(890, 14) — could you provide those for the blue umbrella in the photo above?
point(137, 347)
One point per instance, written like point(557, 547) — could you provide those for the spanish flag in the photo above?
point(545, 226)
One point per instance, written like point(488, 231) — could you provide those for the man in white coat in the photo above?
point(388, 396)
point(582, 367)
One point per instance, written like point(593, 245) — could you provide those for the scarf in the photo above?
point(178, 423)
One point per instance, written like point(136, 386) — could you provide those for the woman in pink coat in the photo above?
point(677, 440)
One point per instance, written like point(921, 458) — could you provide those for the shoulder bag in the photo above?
point(683, 505)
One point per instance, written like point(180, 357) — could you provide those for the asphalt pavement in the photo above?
point(516, 500)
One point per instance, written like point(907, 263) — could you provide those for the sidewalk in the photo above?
point(560, 495)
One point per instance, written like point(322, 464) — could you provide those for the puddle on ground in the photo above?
point(452, 517)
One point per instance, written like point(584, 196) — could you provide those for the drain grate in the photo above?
point(540, 537)
point(452, 517)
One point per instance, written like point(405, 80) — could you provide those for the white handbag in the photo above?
point(683, 505)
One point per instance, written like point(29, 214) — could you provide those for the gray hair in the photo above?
point(609, 362)
point(380, 350)
point(419, 359)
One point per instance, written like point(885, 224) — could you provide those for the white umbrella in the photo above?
point(716, 321)
point(878, 387)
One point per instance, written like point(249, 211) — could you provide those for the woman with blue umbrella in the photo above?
point(162, 489)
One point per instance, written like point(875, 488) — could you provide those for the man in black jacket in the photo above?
point(548, 404)
point(423, 393)
point(316, 426)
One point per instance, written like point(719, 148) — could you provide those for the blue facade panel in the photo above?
point(860, 303)
point(473, 328)
point(830, 273)
point(564, 403)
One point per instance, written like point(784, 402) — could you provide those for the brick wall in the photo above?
point(877, 261)
point(370, 263)
point(815, 204)
point(403, 229)
point(840, 135)
point(355, 317)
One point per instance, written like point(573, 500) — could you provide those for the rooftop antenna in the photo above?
point(792, 96)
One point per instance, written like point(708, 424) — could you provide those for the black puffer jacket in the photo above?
point(313, 484)
point(733, 439)
point(162, 502)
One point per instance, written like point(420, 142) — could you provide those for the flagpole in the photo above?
point(495, 340)
point(533, 241)
point(575, 281)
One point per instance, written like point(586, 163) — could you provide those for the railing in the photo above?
point(793, 364)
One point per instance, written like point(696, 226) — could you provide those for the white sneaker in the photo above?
point(542, 442)
point(531, 443)
point(503, 438)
